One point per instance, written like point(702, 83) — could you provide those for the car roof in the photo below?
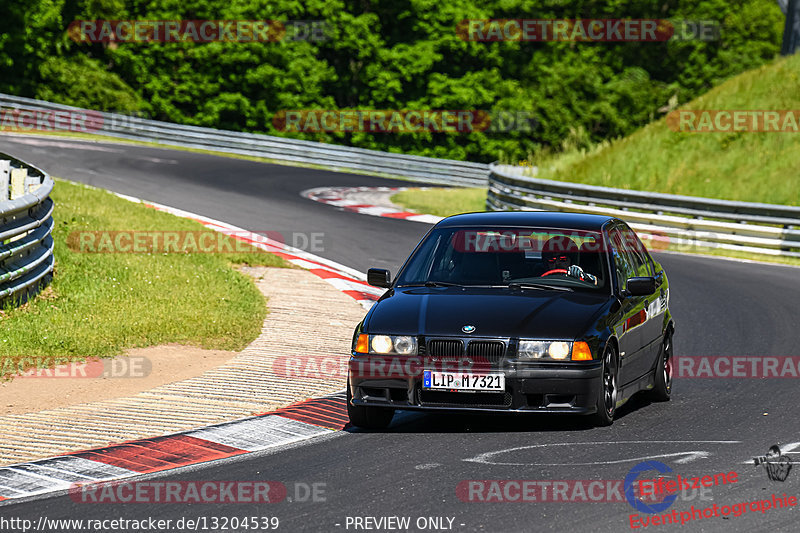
point(539, 219)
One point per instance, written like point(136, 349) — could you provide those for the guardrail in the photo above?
point(330, 156)
point(668, 219)
point(665, 219)
point(26, 224)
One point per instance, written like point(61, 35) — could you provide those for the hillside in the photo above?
point(760, 166)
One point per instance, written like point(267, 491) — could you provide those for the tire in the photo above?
point(607, 391)
point(368, 417)
point(662, 389)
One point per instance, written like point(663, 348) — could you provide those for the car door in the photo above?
point(651, 327)
point(633, 362)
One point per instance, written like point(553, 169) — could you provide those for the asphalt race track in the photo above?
point(412, 470)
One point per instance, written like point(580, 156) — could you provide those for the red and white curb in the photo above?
point(302, 421)
point(367, 201)
point(298, 422)
point(343, 278)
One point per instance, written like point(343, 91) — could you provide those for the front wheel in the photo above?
point(607, 392)
point(662, 391)
point(368, 417)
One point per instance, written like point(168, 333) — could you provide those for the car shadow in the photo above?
point(638, 401)
point(464, 422)
point(452, 422)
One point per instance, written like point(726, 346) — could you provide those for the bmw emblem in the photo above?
point(469, 328)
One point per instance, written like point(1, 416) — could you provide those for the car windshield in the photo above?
point(524, 258)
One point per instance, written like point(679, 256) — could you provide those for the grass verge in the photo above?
point(744, 166)
point(442, 202)
point(102, 303)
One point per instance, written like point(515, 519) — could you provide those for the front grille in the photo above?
point(463, 399)
point(451, 349)
point(492, 351)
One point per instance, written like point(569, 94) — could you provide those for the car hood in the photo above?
point(493, 312)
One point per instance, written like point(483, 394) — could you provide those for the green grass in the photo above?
point(442, 202)
point(745, 166)
point(100, 304)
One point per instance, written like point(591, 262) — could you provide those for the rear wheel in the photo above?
point(607, 392)
point(662, 390)
point(368, 417)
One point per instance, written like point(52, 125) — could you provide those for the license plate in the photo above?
point(463, 381)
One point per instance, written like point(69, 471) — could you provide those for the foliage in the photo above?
point(387, 54)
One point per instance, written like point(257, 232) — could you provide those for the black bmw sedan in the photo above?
point(515, 312)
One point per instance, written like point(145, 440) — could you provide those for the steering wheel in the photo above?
point(555, 271)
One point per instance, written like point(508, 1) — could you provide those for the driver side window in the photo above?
point(443, 263)
point(623, 263)
point(635, 248)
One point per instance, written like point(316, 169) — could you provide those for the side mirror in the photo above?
point(643, 286)
point(379, 277)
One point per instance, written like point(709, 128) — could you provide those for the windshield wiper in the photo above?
point(441, 284)
point(433, 284)
point(518, 285)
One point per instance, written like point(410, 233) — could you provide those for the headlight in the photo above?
point(555, 350)
point(381, 344)
point(532, 349)
point(405, 345)
point(392, 344)
point(559, 350)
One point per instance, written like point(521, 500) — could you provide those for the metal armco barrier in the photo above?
point(330, 156)
point(767, 229)
point(26, 244)
point(771, 230)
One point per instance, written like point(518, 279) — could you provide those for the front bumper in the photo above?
point(529, 387)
